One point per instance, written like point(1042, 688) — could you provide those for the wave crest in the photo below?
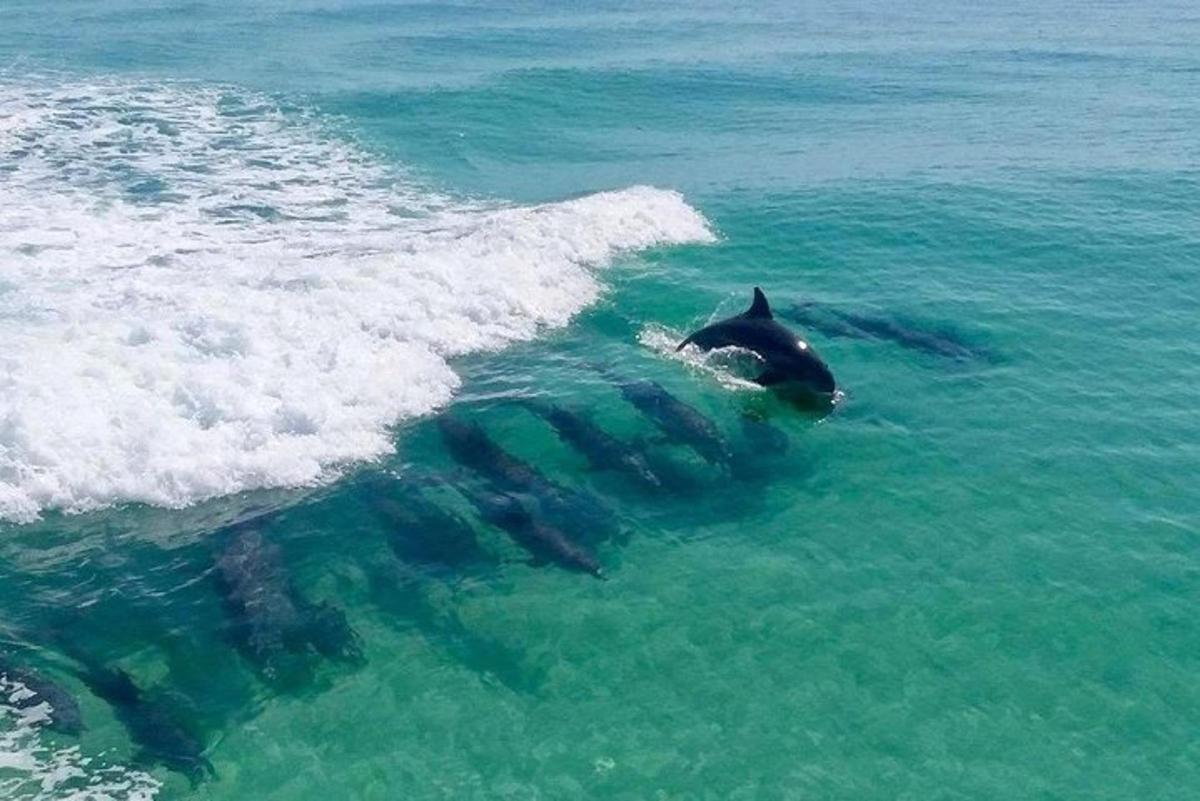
point(202, 293)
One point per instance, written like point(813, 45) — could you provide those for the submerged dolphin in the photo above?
point(681, 423)
point(62, 713)
point(471, 447)
point(421, 534)
point(852, 325)
point(273, 624)
point(602, 450)
point(787, 358)
point(152, 726)
point(544, 541)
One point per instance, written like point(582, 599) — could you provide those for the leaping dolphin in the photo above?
point(788, 359)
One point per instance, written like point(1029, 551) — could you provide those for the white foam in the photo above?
point(201, 294)
point(728, 366)
point(35, 769)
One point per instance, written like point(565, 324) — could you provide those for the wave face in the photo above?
point(203, 293)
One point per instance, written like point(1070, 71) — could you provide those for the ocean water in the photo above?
point(248, 257)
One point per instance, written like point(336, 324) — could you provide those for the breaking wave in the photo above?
point(202, 292)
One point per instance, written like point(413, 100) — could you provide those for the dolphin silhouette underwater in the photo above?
point(472, 447)
point(602, 450)
point(544, 541)
point(934, 341)
point(788, 360)
point(274, 626)
point(153, 726)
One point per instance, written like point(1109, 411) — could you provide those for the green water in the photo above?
point(974, 578)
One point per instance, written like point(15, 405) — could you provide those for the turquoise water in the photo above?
point(247, 256)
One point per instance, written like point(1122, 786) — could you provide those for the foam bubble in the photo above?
point(728, 366)
point(203, 294)
point(34, 769)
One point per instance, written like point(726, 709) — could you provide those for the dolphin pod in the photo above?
point(281, 633)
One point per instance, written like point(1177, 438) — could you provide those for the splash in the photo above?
point(732, 368)
point(33, 769)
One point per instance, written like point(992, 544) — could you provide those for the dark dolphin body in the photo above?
point(422, 534)
point(273, 624)
point(471, 447)
point(682, 423)
point(64, 711)
point(268, 623)
point(602, 450)
point(851, 325)
point(152, 726)
point(763, 438)
point(761, 447)
point(545, 542)
point(330, 633)
point(788, 359)
point(433, 544)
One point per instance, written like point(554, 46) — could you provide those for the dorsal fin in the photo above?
point(759, 309)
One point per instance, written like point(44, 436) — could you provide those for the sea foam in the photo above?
point(203, 293)
point(38, 769)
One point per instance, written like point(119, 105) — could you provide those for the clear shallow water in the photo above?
point(291, 225)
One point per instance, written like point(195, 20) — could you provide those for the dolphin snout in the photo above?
point(824, 381)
